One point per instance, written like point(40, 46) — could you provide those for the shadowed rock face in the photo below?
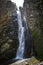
point(6, 8)
point(34, 11)
point(28, 51)
point(8, 30)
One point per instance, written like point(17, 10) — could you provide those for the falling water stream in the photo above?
point(23, 34)
point(21, 37)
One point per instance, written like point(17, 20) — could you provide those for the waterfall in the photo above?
point(21, 37)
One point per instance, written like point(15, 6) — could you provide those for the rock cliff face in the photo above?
point(8, 30)
point(34, 14)
point(6, 8)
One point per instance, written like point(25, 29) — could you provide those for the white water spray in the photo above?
point(21, 38)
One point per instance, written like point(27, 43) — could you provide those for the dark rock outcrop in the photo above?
point(34, 14)
point(28, 51)
point(8, 30)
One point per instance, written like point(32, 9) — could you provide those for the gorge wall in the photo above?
point(8, 30)
point(33, 11)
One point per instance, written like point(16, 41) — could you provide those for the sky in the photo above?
point(18, 2)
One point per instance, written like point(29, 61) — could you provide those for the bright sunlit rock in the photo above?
point(18, 2)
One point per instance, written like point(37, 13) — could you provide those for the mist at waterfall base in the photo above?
point(24, 37)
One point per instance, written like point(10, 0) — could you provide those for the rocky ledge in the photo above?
point(29, 61)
